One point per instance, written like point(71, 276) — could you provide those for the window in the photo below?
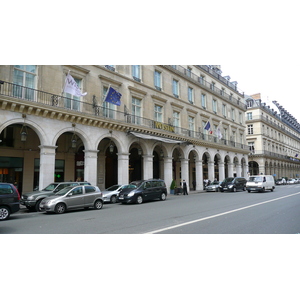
point(250, 103)
point(157, 80)
point(176, 120)
point(250, 129)
point(191, 95)
point(214, 106)
point(71, 101)
point(249, 116)
point(158, 113)
point(233, 114)
point(240, 117)
point(89, 189)
point(136, 107)
point(175, 86)
point(136, 72)
point(191, 126)
point(25, 78)
point(189, 71)
point(212, 86)
point(224, 112)
point(108, 108)
point(222, 91)
point(203, 100)
point(225, 136)
point(202, 79)
point(110, 67)
point(251, 147)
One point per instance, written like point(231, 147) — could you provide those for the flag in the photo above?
point(207, 127)
point(218, 133)
point(112, 96)
point(72, 88)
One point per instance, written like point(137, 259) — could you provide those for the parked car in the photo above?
point(260, 183)
point(111, 193)
point(281, 181)
point(33, 199)
point(73, 197)
point(213, 186)
point(144, 190)
point(291, 181)
point(9, 200)
point(233, 184)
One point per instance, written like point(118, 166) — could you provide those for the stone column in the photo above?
point(90, 166)
point(221, 171)
point(185, 172)
point(230, 169)
point(168, 176)
point(211, 170)
point(199, 175)
point(148, 166)
point(238, 170)
point(123, 168)
point(47, 165)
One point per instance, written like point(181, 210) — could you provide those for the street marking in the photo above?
point(218, 215)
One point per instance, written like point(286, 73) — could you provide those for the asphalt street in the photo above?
point(198, 213)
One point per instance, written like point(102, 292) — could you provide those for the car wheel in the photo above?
point(4, 213)
point(113, 199)
point(234, 189)
point(98, 204)
point(163, 196)
point(244, 188)
point(60, 208)
point(37, 205)
point(249, 191)
point(139, 199)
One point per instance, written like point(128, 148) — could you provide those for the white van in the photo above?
point(260, 183)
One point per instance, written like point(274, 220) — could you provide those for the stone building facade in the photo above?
point(273, 137)
point(158, 131)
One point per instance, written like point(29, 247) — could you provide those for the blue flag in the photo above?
point(113, 97)
point(207, 126)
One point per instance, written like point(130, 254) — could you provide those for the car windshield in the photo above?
point(137, 183)
point(50, 187)
point(113, 188)
point(64, 190)
point(229, 179)
point(214, 182)
point(255, 179)
point(129, 186)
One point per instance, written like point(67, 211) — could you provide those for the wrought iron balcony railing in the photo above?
point(101, 111)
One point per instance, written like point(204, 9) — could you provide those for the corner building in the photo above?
point(273, 137)
point(157, 131)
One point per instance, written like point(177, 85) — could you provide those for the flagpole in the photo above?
point(65, 83)
point(106, 94)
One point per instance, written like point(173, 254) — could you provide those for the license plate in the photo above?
point(121, 197)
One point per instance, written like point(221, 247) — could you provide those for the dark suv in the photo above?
point(9, 200)
point(233, 184)
point(144, 190)
point(32, 200)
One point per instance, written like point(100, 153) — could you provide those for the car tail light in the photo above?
point(17, 193)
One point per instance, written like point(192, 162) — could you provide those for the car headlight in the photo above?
point(30, 198)
point(131, 194)
point(230, 186)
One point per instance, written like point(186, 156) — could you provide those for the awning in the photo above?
point(157, 138)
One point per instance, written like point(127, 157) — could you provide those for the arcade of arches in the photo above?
point(61, 152)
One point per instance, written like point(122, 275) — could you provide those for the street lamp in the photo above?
point(23, 131)
point(73, 139)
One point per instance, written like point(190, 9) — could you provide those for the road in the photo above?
point(198, 213)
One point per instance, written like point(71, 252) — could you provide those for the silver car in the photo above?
point(73, 197)
point(111, 193)
point(214, 186)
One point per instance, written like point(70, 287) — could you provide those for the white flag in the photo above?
point(218, 133)
point(72, 88)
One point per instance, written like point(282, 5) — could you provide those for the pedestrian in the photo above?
point(184, 188)
point(194, 185)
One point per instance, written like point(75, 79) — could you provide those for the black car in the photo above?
point(9, 200)
point(233, 184)
point(150, 189)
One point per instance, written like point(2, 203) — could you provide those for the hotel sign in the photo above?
point(163, 126)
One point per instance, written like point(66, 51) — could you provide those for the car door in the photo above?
point(74, 199)
point(89, 195)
